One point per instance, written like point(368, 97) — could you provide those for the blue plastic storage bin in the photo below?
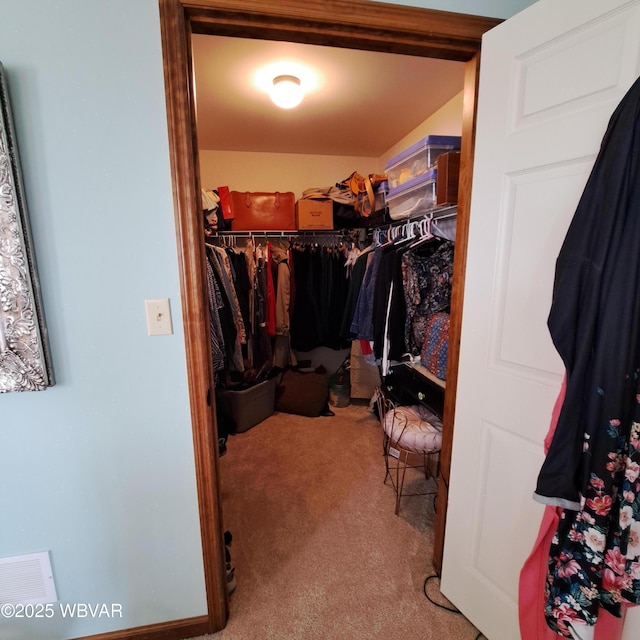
point(418, 158)
point(414, 197)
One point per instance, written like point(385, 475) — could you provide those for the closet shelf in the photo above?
point(437, 213)
point(440, 222)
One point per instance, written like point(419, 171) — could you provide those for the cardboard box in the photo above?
point(314, 214)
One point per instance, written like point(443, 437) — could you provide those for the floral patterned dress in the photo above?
point(427, 289)
point(595, 554)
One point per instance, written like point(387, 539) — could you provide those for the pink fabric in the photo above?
point(554, 415)
point(533, 575)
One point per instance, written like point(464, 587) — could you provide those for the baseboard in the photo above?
point(172, 630)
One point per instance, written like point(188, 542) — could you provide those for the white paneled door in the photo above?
point(550, 79)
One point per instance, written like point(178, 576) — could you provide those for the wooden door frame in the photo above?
point(357, 24)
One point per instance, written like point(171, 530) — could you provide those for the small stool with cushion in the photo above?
point(411, 435)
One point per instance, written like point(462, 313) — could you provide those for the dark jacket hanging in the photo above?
point(595, 313)
point(593, 465)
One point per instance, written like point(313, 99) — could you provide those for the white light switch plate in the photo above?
point(158, 317)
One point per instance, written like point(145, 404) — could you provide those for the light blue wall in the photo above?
point(490, 8)
point(99, 469)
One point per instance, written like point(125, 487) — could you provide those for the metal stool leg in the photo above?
point(400, 481)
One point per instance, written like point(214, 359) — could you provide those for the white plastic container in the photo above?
point(414, 197)
point(418, 158)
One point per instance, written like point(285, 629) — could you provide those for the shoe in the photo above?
point(326, 411)
point(231, 579)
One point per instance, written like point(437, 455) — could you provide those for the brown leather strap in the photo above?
point(370, 194)
point(354, 182)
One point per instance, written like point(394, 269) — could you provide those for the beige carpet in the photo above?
point(317, 550)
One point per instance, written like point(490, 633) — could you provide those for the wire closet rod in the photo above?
point(293, 233)
point(440, 213)
point(319, 237)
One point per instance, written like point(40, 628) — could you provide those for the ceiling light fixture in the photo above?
point(286, 91)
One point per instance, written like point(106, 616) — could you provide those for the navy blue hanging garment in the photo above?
point(593, 464)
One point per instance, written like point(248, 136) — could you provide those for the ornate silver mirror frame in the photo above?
point(25, 362)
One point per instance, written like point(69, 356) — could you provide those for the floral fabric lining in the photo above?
point(595, 555)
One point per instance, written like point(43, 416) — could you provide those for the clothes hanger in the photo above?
point(402, 234)
point(388, 238)
point(425, 233)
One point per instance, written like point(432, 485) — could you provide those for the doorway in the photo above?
point(359, 25)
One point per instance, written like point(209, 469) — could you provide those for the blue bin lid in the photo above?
point(417, 181)
point(430, 141)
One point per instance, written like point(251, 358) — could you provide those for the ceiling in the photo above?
point(358, 103)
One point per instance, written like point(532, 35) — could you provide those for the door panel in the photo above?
point(550, 78)
point(592, 57)
point(518, 308)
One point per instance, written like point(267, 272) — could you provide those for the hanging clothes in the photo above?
point(336, 299)
point(280, 266)
point(306, 329)
point(263, 303)
point(216, 334)
point(229, 281)
point(427, 279)
point(592, 467)
point(533, 575)
point(388, 304)
point(262, 351)
point(228, 314)
point(362, 322)
point(321, 289)
point(380, 311)
point(271, 293)
point(358, 271)
point(282, 354)
point(242, 285)
point(292, 285)
point(248, 252)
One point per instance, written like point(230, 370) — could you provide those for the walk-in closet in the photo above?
point(302, 458)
